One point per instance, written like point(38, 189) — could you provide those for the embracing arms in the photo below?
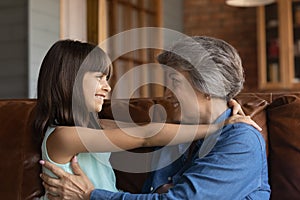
point(66, 142)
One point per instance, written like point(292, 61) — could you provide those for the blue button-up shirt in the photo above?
point(230, 164)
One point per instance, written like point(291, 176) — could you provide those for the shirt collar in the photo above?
point(226, 114)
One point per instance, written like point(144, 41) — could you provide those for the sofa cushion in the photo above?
point(284, 135)
point(19, 153)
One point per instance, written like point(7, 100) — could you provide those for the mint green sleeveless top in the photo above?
point(95, 165)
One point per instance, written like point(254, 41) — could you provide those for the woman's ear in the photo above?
point(207, 96)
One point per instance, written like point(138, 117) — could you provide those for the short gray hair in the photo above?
point(213, 65)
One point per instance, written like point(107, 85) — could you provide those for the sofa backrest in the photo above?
point(283, 116)
point(19, 152)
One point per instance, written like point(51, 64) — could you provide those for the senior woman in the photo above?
point(204, 73)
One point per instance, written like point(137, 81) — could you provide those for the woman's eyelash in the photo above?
point(102, 77)
point(175, 80)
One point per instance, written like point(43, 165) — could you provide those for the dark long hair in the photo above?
point(60, 83)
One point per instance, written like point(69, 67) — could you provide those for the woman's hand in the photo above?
point(67, 186)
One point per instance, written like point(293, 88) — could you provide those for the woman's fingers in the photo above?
point(75, 166)
point(56, 170)
point(51, 191)
point(50, 180)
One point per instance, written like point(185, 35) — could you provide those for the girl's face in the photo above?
point(95, 89)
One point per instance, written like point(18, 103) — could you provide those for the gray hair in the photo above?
point(214, 65)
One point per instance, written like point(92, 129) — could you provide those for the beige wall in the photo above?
point(43, 31)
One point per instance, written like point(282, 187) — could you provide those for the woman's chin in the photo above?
point(98, 108)
point(98, 105)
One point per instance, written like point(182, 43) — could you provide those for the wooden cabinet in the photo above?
point(279, 45)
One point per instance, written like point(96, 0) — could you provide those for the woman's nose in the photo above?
point(106, 87)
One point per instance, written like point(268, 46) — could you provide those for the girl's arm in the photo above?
point(65, 142)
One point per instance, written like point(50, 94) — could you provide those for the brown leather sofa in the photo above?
point(278, 114)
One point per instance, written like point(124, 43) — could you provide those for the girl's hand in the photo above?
point(236, 107)
point(244, 119)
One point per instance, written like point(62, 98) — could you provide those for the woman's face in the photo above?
point(190, 99)
point(95, 89)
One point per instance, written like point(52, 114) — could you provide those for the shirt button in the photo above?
point(151, 188)
point(169, 178)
